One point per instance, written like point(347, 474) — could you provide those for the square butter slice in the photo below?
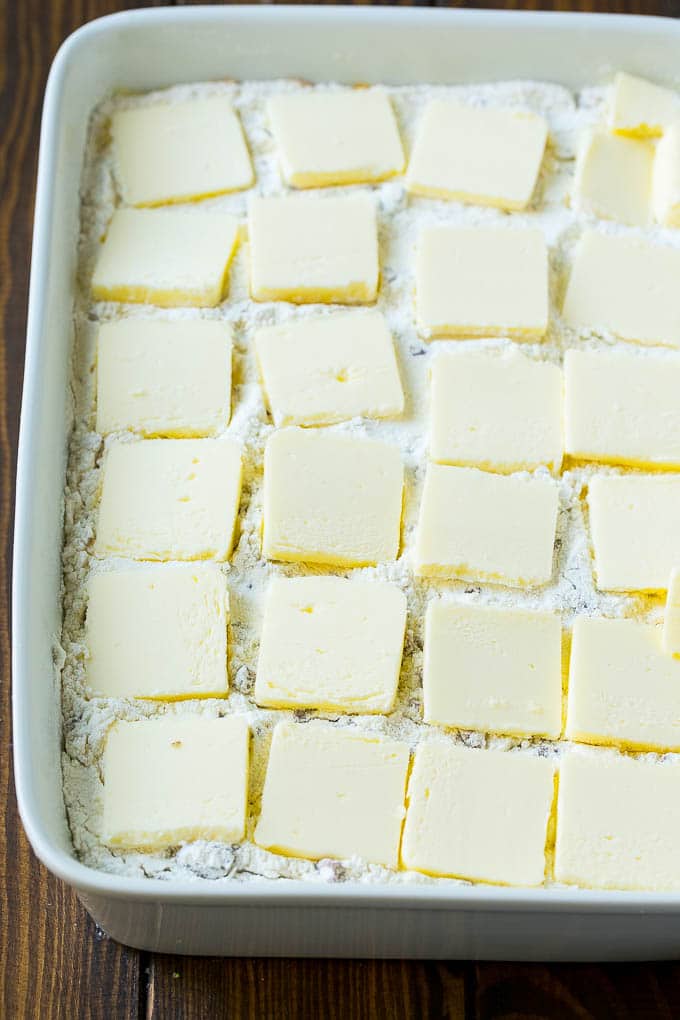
point(640, 108)
point(166, 257)
point(481, 281)
point(169, 499)
point(666, 178)
point(495, 670)
point(623, 408)
point(308, 249)
point(349, 136)
point(332, 644)
point(174, 779)
point(471, 154)
point(478, 815)
point(670, 635)
point(329, 368)
point(496, 410)
point(164, 378)
point(626, 286)
point(614, 178)
point(159, 632)
point(618, 822)
point(178, 152)
point(478, 526)
point(623, 689)
point(332, 792)
point(331, 498)
point(634, 526)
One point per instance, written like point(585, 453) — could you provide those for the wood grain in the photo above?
point(53, 961)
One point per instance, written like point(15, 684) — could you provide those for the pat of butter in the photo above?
point(162, 378)
point(309, 249)
point(342, 137)
point(625, 285)
point(173, 779)
point(179, 152)
point(331, 644)
point(332, 792)
point(331, 498)
point(498, 411)
point(169, 499)
point(639, 107)
point(666, 178)
point(495, 670)
point(166, 257)
point(485, 527)
point(618, 822)
point(621, 408)
point(478, 815)
point(329, 368)
point(482, 155)
point(159, 632)
point(614, 178)
point(670, 635)
point(623, 689)
point(481, 281)
point(634, 525)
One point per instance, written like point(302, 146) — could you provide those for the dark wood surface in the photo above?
point(54, 963)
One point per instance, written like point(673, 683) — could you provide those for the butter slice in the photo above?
point(174, 779)
point(164, 378)
point(329, 368)
point(169, 499)
point(331, 498)
point(159, 632)
point(496, 410)
point(482, 155)
point(621, 408)
point(666, 178)
point(625, 285)
point(179, 152)
point(634, 525)
point(481, 281)
point(305, 249)
point(618, 822)
point(332, 644)
point(166, 257)
point(670, 635)
point(490, 669)
point(623, 689)
point(640, 108)
point(485, 527)
point(614, 178)
point(345, 137)
point(333, 792)
point(478, 815)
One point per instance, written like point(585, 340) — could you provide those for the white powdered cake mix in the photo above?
point(400, 217)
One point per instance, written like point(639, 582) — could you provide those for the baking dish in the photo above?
point(153, 48)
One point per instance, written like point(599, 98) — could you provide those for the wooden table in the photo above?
point(53, 960)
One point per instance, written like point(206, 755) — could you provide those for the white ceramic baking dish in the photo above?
point(151, 48)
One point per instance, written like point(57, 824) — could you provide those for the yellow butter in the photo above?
point(167, 499)
point(614, 178)
point(349, 136)
point(159, 632)
point(332, 792)
point(670, 635)
point(173, 779)
point(162, 378)
point(666, 178)
point(478, 815)
point(472, 154)
point(479, 526)
point(179, 152)
point(495, 670)
point(309, 249)
point(640, 108)
point(331, 498)
point(481, 281)
point(331, 644)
